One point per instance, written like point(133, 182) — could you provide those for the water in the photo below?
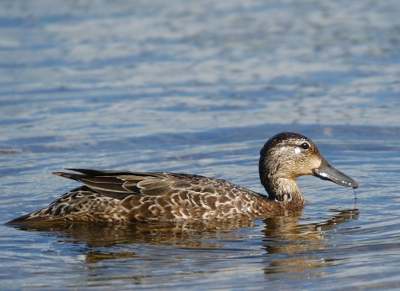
point(197, 87)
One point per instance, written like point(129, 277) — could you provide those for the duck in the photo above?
point(122, 197)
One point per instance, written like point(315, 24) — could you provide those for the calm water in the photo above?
point(198, 87)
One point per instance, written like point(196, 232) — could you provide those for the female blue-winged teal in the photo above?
point(123, 197)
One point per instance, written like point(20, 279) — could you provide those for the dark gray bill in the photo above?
point(327, 172)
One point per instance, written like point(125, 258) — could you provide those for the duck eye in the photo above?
point(305, 145)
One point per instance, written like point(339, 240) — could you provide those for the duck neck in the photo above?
point(284, 190)
point(280, 189)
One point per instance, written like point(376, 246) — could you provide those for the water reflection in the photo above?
point(300, 246)
point(289, 244)
point(184, 234)
point(93, 257)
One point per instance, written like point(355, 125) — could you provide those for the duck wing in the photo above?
point(121, 184)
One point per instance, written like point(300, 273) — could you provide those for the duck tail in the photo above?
point(28, 219)
point(18, 220)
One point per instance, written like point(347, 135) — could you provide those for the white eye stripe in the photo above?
point(297, 150)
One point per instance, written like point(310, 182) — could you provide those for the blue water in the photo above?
point(197, 87)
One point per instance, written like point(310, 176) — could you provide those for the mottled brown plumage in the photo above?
point(124, 197)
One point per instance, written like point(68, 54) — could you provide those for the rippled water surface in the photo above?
point(197, 87)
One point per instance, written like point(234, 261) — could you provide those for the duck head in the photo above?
point(287, 156)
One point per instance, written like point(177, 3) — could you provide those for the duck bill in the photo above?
point(327, 172)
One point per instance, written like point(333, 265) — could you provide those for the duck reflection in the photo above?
point(295, 247)
point(185, 234)
point(288, 242)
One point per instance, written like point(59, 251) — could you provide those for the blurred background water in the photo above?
point(197, 87)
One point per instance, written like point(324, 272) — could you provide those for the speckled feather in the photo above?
point(127, 196)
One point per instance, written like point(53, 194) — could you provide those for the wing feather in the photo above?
point(122, 184)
